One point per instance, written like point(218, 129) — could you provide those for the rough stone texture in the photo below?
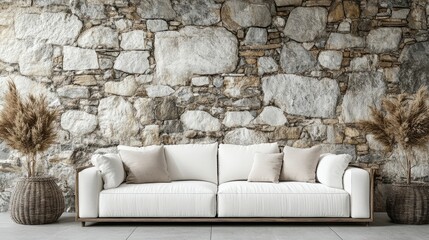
point(272, 116)
point(190, 51)
point(364, 89)
point(198, 12)
point(200, 120)
point(127, 87)
point(240, 86)
point(200, 81)
point(414, 71)
point(282, 3)
point(145, 110)
point(134, 40)
point(166, 110)
point(150, 135)
point(79, 59)
point(156, 9)
point(132, 61)
point(85, 80)
point(78, 123)
point(159, 91)
point(238, 14)
point(295, 59)
point(244, 136)
point(301, 95)
point(157, 25)
point(256, 36)
point(342, 41)
point(36, 60)
point(383, 39)
point(267, 65)
point(237, 119)
point(305, 24)
point(98, 37)
point(116, 118)
point(364, 63)
point(56, 28)
point(331, 59)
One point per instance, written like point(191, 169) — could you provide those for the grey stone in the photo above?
point(256, 36)
point(331, 59)
point(383, 39)
point(344, 26)
point(166, 110)
point(200, 120)
point(400, 14)
point(123, 24)
point(302, 95)
point(267, 65)
point(141, 79)
point(78, 123)
point(98, 37)
point(200, 81)
point(145, 110)
point(56, 28)
point(92, 11)
point(391, 74)
point(373, 143)
point(218, 82)
point(172, 126)
point(295, 59)
point(244, 136)
point(237, 119)
point(36, 60)
point(157, 25)
point(79, 59)
point(150, 135)
point(395, 3)
point(116, 118)
point(190, 51)
point(281, 3)
point(156, 9)
point(238, 14)
point(365, 89)
point(4, 151)
point(45, 3)
point(272, 116)
point(198, 12)
point(364, 63)
point(317, 131)
point(340, 41)
point(340, 149)
point(71, 91)
point(305, 24)
point(126, 87)
point(134, 40)
point(132, 61)
point(247, 103)
point(159, 91)
point(414, 70)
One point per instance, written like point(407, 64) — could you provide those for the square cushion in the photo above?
point(235, 161)
point(145, 165)
point(266, 167)
point(192, 162)
point(111, 168)
point(331, 168)
point(299, 164)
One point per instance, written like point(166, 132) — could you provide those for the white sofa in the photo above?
point(208, 187)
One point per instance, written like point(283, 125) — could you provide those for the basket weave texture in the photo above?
point(409, 204)
point(36, 200)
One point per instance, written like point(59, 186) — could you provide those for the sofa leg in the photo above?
point(83, 224)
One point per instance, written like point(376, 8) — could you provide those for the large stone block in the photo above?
point(98, 37)
point(364, 89)
point(179, 55)
point(78, 123)
point(272, 116)
point(383, 39)
point(145, 110)
point(244, 136)
point(132, 61)
point(238, 14)
point(198, 12)
point(200, 120)
point(10, 47)
point(305, 24)
point(56, 28)
point(79, 59)
point(344, 40)
point(237, 119)
point(36, 60)
point(126, 87)
point(294, 58)
point(414, 70)
point(156, 9)
point(303, 96)
point(134, 40)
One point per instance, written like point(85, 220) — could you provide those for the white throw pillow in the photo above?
point(235, 161)
point(111, 168)
point(331, 169)
point(192, 161)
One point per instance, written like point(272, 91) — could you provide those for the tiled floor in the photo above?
point(66, 228)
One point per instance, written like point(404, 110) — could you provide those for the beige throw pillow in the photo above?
point(299, 164)
point(266, 167)
point(145, 165)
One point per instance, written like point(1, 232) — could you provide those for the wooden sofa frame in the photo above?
point(229, 219)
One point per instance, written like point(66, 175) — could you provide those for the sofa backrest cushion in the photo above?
point(192, 162)
point(235, 161)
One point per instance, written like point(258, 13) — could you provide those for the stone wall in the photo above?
point(141, 72)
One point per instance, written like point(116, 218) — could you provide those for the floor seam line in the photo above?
point(211, 232)
point(131, 233)
point(336, 233)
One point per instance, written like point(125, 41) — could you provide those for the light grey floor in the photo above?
point(66, 228)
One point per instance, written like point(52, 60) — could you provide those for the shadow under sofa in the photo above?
point(204, 189)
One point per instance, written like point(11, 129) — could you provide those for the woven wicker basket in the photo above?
point(409, 204)
point(36, 200)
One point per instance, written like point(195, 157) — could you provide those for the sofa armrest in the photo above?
point(357, 182)
point(88, 186)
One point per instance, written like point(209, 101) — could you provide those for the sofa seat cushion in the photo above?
point(285, 199)
point(175, 199)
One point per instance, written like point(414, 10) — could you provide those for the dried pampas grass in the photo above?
point(402, 122)
point(27, 125)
